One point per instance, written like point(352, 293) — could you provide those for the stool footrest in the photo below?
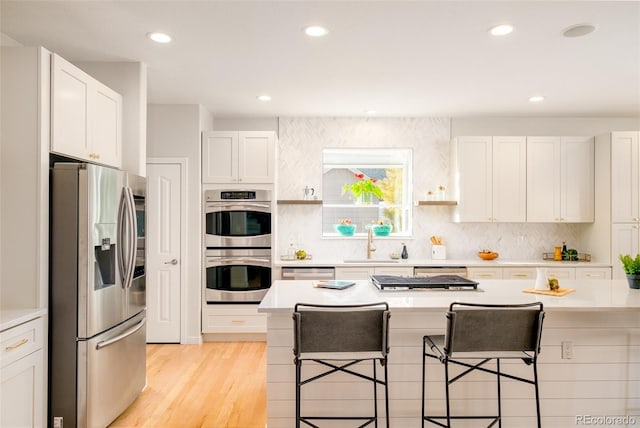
point(495, 419)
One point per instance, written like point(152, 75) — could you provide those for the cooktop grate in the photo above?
point(443, 282)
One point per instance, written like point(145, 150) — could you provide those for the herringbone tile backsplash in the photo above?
point(301, 141)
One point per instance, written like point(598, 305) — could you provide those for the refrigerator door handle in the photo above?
point(122, 266)
point(119, 337)
point(133, 227)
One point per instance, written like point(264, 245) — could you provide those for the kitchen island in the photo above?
point(597, 375)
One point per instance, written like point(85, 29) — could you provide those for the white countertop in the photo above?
point(592, 295)
point(430, 262)
point(14, 317)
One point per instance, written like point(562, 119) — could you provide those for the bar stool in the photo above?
point(349, 334)
point(485, 333)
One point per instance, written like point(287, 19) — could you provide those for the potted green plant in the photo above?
point(381, 228)
point(631, 267)
point(345, 227)
point(363, 189)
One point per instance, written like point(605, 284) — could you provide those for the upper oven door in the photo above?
point(238, 224)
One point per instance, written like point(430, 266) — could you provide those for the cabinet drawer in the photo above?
point(20, 340)
point(234, 324)
point(593, 273)
point(518, 273)
point(399, 271)
point(561, 273)
point(484, 273)
point(233, 319)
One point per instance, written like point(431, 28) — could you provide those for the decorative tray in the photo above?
point(580, 257)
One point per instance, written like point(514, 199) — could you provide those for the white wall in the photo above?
point(300, 163)
point(129, 79)
point(174, 131)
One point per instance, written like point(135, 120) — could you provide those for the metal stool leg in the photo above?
point(375, 393)
point(386, 392)
point(499, 394)
point(446, 383)
point(535, 385)
point(424, 376)
point(298, 372)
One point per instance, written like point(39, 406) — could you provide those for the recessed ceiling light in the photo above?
point(316, 31)
point(536, 99)
point(501, 30)
point(264, 98)
point(159, 37)
point(579, 30)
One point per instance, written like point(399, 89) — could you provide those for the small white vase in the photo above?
point(542, 282)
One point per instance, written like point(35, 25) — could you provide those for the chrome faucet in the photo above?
point(370, 247)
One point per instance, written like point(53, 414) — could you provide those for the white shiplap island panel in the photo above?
point(601, 320)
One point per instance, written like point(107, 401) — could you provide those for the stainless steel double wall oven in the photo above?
point(238, 242)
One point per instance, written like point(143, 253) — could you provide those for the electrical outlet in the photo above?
point(567, 350)
point(57, 422)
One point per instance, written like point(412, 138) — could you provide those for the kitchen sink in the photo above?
point(373, 261)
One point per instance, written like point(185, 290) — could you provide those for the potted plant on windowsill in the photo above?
point(631, 267)
point(381, 228)
point(363, 190)
point(345, 227)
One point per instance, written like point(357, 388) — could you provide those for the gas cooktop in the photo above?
point(441, 282)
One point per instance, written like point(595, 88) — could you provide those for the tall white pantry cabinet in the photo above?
point(625, 197)
point(24, 231)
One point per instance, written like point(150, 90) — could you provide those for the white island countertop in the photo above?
point(593, 295)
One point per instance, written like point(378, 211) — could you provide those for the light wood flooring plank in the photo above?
point(213, 385)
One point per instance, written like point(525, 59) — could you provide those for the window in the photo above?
point(365, 187)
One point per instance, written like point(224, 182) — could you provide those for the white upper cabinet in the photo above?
point(625, 177)
point(86, 116)
point(560, 179)
point(238, 157)
point(490, 178)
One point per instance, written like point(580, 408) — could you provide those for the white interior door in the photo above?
point(163, 252)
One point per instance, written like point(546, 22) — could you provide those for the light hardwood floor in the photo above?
point(214, 385)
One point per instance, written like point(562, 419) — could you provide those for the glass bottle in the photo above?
point(405, 254)
point(565, 256)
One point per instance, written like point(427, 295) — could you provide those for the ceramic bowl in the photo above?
point(488, 256)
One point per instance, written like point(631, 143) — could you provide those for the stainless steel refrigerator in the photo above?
point(97, 294)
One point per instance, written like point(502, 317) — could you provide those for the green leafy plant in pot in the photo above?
point(631, 267)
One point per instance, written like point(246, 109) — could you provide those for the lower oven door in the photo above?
point(238, 276)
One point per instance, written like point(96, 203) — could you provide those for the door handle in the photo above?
point(171, 262)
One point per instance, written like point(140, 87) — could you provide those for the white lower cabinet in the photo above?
point(355, 273)
point(22, 375)
point(519, 273)
point(584, 273)
point(233, 319)
point(484, 273)
point(593, 273)
point(561, 273)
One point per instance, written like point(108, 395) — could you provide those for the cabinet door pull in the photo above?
point(16, 345)
point(520, 275)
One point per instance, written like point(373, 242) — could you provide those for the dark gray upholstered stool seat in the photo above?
point(482, 333)
point(339, 337)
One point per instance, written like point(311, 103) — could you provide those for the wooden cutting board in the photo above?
point(559, 292)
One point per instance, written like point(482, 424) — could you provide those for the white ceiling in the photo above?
point(400, 58)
